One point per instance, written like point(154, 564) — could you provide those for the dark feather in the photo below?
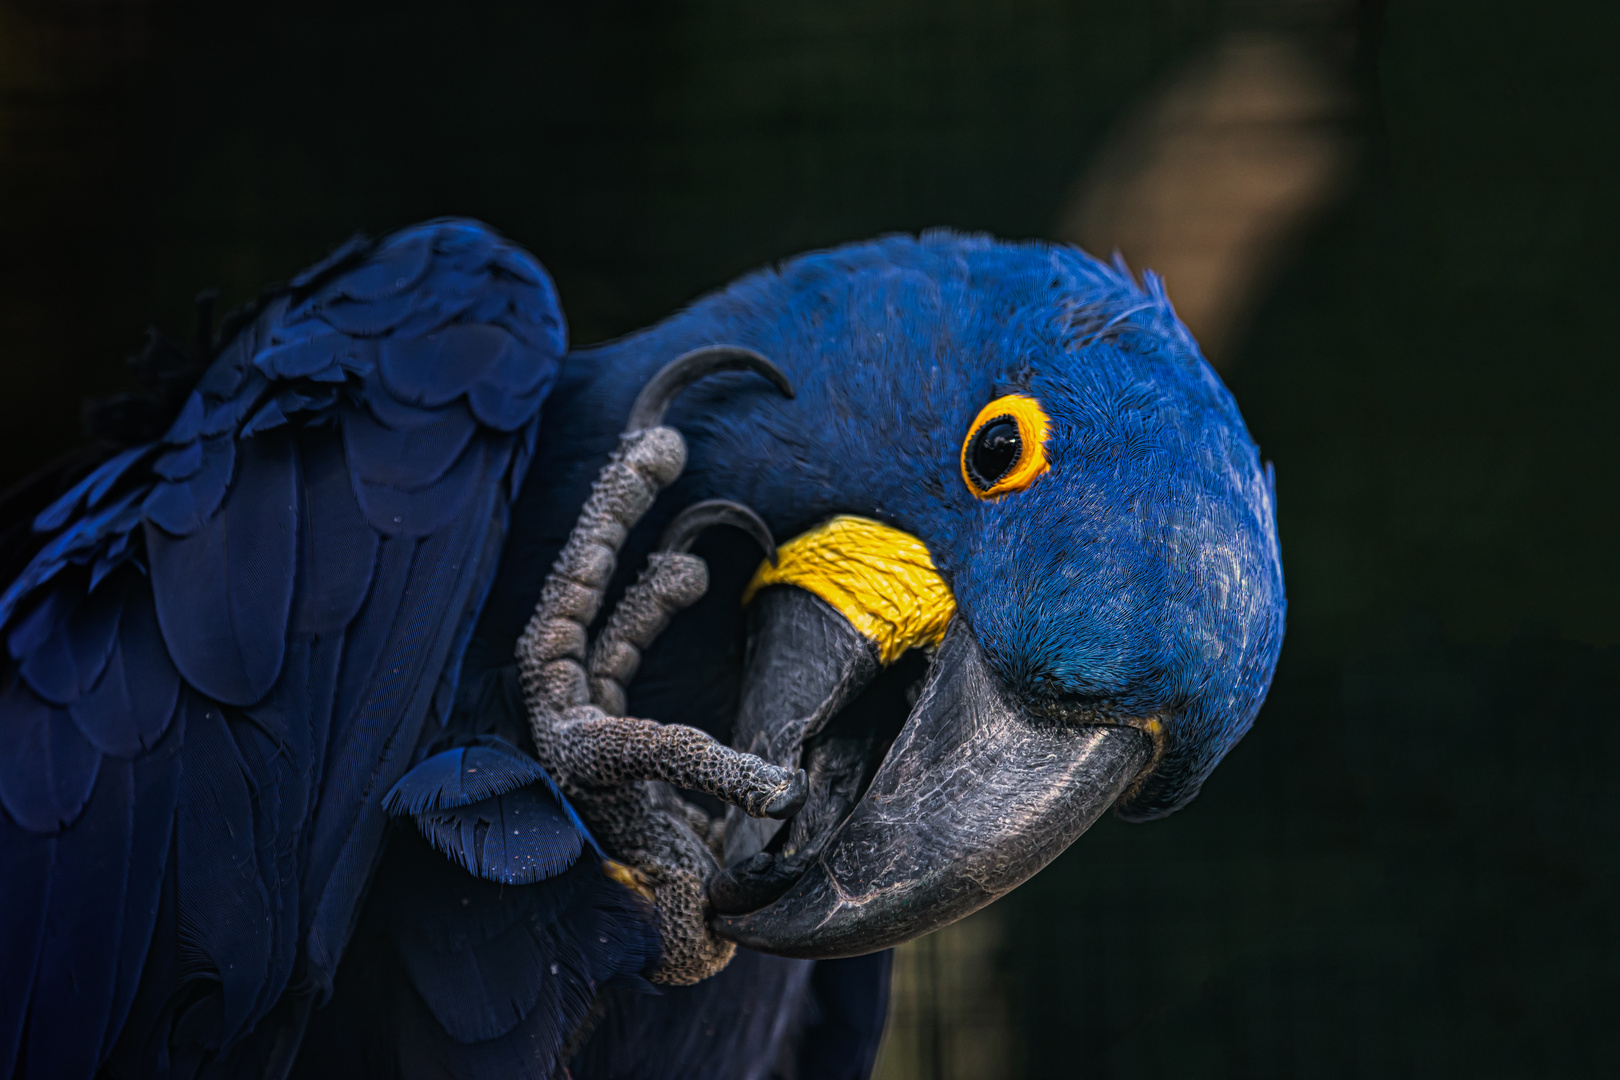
point(224, 592)
point(369, 750)
point(181, 463)
point(480, 979)
point(849, 1001)
point(430, 508)
point(462, 776)
point(735, 1024)
point(157, 783)
point(224, 906)
point(48, 769)
point(71, 659)
point(90, 490)
point(338, 549)
point(181, 507)
point(414, 369)
point(390, 457)
point(397, 264)
point(75, 545)
point(78, 971)
point(130, 707)
point(38, 621)
point(516, 838)
point(307, 358)
point(29, 858)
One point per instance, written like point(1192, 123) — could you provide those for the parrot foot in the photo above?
point(618, 770)
point(597, 750)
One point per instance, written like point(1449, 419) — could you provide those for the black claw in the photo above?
point(792, 800)
point(686, 369)
point(684, 530)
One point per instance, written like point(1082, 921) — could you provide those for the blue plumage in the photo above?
point(492, 809)
point(453, 976)
point(517, 838)
point(229, 647)
point(233, 638)
point(465, 775)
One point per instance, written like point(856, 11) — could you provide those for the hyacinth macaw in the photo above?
point(315, 759)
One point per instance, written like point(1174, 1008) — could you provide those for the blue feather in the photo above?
point(304, 357)
point(397, 264)
point(430, 508)
point(477, 978)
point(188, 425)
point(368, 636)
point(269, 417)
point(391, 458)
point(157, 782)
point(75, 545)
point(463, 776)
point(70, 660)
point(493, 810)
point(225, 417)
point(115, 553)
point(516, 838)
point(373, 318)
point(337, 556)
point(181, 507)
point(29, 858)
point(80, 968)
point(131, 706)
point(369, 751)
point(224, 906)
point(502, 410)
point(468, 248)
point(726, 1026)
point(38, 623)
point(416, 371)
point(89, 490)
point(48, 769)
point(224, 592)
point(181, 463)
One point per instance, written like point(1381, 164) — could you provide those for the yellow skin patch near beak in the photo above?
point(881, 579)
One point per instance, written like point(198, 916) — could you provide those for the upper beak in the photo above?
point(975, 795)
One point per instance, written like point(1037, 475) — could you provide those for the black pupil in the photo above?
point(994, 451)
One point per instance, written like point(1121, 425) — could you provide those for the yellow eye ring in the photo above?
point(1005, 448)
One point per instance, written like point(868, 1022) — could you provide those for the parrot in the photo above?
point(411, 695)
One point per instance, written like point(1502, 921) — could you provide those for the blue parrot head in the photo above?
point(1101, 526)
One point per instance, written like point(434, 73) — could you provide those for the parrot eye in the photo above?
point(994, 451)
point(1006, 446)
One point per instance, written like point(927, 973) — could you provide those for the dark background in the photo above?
point(1408, 868)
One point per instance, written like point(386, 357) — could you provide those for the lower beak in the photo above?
point(975, 795)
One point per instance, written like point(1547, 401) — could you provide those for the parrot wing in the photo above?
point(453, 976)
point(225, 646)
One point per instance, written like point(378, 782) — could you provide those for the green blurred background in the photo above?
point(1402, 235)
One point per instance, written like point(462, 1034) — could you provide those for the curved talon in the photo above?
point(684, 530)
point(663, 388)
point(790, 800)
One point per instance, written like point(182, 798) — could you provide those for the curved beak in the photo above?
point(975, 795)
